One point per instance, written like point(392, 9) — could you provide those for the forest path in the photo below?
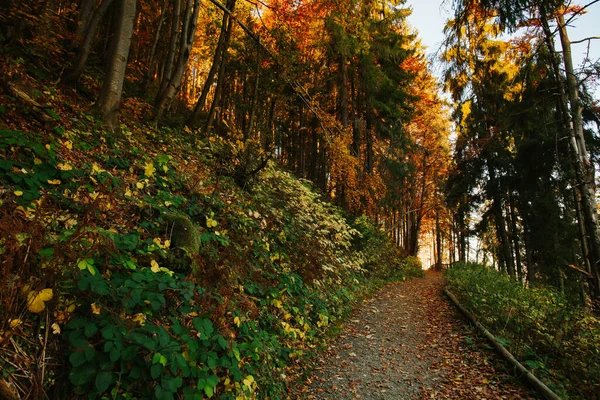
point(408, 342)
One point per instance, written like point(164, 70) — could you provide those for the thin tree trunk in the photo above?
point(515, 237)
point(187, 39)
point(150, 62)
point(110, 96)
point(85, 14)
point(250, 126)
point(584, 168)
point(170, 58)
point(221, 74)
point(220, 49)
point(74, 73)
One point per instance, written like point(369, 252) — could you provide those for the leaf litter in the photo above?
point(407, 342)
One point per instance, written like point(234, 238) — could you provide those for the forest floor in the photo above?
point(408, 342)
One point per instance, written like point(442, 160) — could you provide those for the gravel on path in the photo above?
point(407, 342)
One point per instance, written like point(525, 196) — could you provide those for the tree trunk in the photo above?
point(86, 10)
point(248, 130)
point(221, 74)
point(74, 73)
point(187, 39)
point(221, 48)
point(170, 58)
point(148, 73)
point(584, 168)
point(505, 247)
point(515, 237)
point(110, 96)
point(438, 240)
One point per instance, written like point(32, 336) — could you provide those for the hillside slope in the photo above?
point(158, 264)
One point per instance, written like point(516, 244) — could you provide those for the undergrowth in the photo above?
point(557, 340)
point(134, 266)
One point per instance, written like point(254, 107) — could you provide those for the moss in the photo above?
point(185, 243)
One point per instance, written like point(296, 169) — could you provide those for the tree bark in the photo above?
point(251, 117)
point(187, 39)
point(110, 96)
point(515, 237)
point(148, 73)
point(194, 117)
point(584, 168)
point(221, 74)
point(86, 10)
point(170, 58)
point(74, 73)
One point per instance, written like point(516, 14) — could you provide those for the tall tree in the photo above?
point(109, 99)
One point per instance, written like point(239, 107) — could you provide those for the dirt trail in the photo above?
point(407, 342)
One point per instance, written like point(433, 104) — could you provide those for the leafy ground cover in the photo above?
point(557, 340)
point(153, 264)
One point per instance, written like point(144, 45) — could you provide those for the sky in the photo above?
point(429, 18)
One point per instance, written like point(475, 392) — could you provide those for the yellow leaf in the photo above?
point(37, 161)
point(71, 308)
point(211, 223)
point(71, 222)
point(48, 147)
point(154, 266)
point(167, 244)
point(139, 318)
point(15, 323)
point(68, 144)
point(96, 309)
point(187, 129)
point(56, 329)
point(139, 185)
point(128, 193)
point(65, 166)
point(96, 168)
point(149, 169)
point(36, 300)
point(237, 321)
point(18, 193)
point(54, 181)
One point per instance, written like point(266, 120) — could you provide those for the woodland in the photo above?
point(195, 194)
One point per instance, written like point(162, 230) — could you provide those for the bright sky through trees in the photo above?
point(429, 18)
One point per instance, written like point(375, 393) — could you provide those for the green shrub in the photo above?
point(553, 337)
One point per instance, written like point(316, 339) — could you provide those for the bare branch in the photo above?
point(586, 39)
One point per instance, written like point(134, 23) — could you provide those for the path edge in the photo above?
point(532, 379)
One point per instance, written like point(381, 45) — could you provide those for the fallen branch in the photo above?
point(573, 267)
point(535, 382)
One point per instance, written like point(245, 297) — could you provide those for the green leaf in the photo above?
point(115, 354)
point(90, 329)
point(212, 380)
point(159, 359)
point(77, 358)
point(156, 370)
point(103, 381)
point(87, 263)
point(81, 376)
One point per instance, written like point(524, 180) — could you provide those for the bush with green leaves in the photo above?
point(137, 307)
point(557, 339)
